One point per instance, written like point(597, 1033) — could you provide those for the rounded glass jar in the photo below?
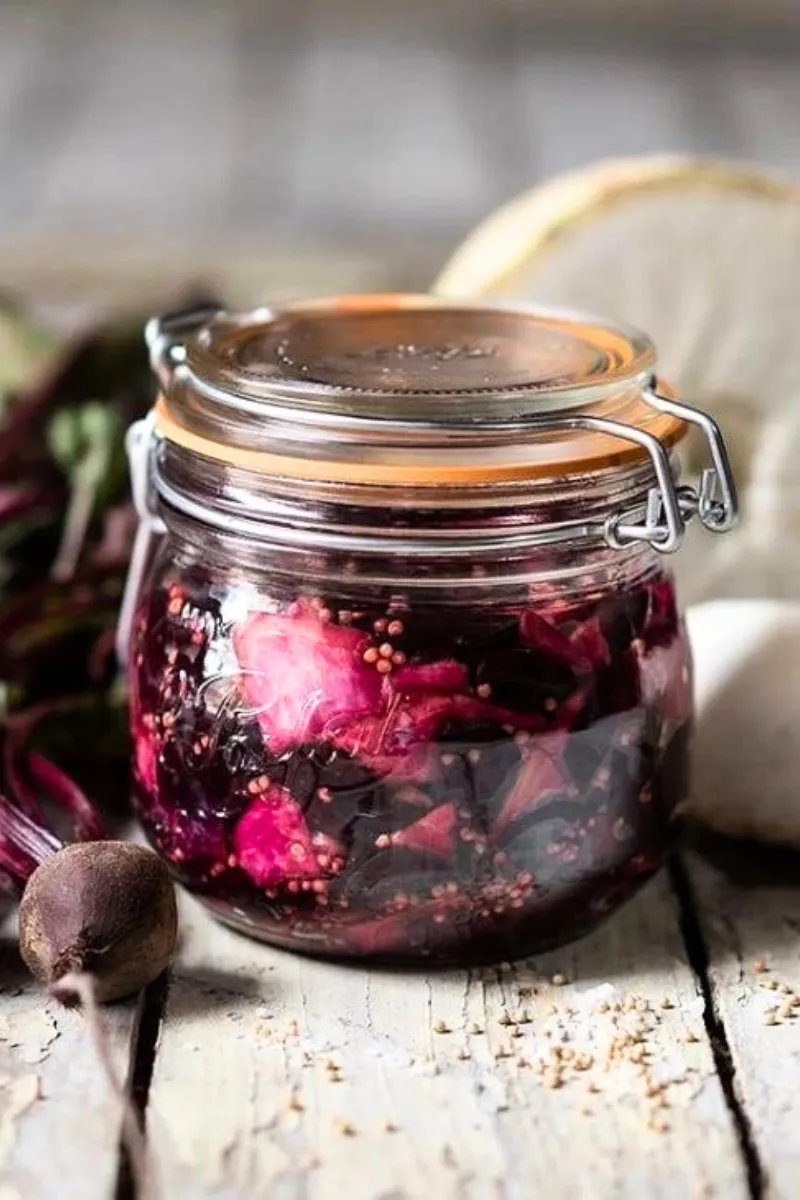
point(408, 677)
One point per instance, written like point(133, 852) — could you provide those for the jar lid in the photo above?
point(408, 390)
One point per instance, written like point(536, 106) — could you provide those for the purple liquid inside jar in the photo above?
point(449, 782)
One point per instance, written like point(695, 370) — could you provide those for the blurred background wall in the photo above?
point(147, 132)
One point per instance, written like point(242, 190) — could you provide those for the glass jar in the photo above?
point(408, 678)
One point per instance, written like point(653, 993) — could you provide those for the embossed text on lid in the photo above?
point(423, 348)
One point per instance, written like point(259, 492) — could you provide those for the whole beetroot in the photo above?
point(105, 909)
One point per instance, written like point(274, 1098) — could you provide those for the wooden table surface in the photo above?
point(657, 1058)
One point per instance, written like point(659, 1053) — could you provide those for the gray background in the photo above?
point(174, 127)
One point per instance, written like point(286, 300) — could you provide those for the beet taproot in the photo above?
point(106, 909)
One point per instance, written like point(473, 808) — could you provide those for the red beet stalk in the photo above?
point(25, 837)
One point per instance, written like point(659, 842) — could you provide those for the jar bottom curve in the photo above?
point(488, 784)
point(509, 940)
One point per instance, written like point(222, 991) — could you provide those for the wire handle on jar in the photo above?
point(139, 445)
point(715, 501)
point(164, 337)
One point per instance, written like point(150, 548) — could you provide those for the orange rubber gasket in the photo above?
point(602, 451)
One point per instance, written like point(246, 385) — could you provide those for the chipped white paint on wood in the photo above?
point(279, 1076)
point(748, 929)
point(59, 1127)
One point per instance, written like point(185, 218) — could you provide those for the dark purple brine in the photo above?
point(409, 780)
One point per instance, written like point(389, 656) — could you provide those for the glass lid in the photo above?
point(417, 345)
point(407, 389)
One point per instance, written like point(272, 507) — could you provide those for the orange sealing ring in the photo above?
point(601, 450)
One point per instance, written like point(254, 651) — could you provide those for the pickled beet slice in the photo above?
point(401, 741)
point(301, 674)
point(432, 834)
point(405, 723)
point(590, 642)
point(272, 842)
point(540, 777)
point(662, 615)
point(665, 681)
point(538, 633)
point(447, 675)
point(146, 760)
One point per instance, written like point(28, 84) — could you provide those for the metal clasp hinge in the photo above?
point(670, 507)
point(716, 502)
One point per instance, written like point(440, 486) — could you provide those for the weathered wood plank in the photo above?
point(279, 1076)
point(762, 93)
point(636, 103)
point(358, 164)
point(753, 936)
point(179, 119)
point(59, 1125)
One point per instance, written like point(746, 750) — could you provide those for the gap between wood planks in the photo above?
point(700, 963)
point(152, 1010)
point(144, 1046)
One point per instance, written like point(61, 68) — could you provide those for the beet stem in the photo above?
point(20, 837)
point(17, 784)
point(66, 793)
point(78, 988)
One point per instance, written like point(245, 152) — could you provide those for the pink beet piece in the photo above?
point(146, 759)
point(665, 679)
point(401, 740)
point(590, 642)
point(540, 778)
point(272, 842)
point(662, 617)
point(302, 675)
point(539, 633)
point(447, 675)
point(388, 744)
point(403, 723)
point(432, 834)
